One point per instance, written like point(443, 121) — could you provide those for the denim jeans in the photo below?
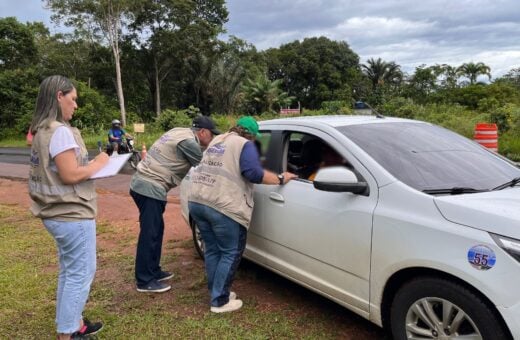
point(76, 242)
point(149, 245)
point(224, 242)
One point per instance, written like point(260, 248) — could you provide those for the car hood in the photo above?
point(496, 211)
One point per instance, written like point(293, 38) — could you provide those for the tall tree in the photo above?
point(17, 45)
point(381, 72)
point(105, 17)
point(314, 70)
point(224, 84)
point(173, 30)
point(473, 70)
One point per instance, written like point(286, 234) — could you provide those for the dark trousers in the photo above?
point(149, 245)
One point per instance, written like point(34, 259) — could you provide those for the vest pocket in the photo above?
point(85, 190)
point(249, 201)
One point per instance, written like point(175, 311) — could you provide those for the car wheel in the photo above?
point(430, 308)
point(134, 160)
point(197, 239)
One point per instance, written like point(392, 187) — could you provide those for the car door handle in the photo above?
point(276, 197)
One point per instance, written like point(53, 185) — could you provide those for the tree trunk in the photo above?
point(157, 89)
point(119, 84)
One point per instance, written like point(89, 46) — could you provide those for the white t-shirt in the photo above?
point(62, 140)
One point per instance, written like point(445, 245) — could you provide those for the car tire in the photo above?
point(197, 239)
point(417, 312)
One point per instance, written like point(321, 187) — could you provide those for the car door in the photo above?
point(321, 239)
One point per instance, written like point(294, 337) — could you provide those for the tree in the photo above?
point(314, 70)
point(512, 77)
point(172, 31)
point(17, 46)
point(97, 16)
point(266, 94)
point(472, 71)
point(224, 84)
point(381, 72)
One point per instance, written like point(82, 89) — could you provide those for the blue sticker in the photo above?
point(481, 257)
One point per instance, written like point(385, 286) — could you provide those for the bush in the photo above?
point(337, 107)
point(94, 113)
point(170, 119)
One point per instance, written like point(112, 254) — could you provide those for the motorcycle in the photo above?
point(127, 146)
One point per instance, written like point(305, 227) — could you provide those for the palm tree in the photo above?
point(380, 72)
point(225, 79)
point(266, 94)
point(472, 71)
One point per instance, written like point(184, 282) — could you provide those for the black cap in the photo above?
point(204, 122)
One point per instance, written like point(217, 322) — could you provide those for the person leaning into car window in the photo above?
point(116, 134)
point(221, 203)
point(167, 162)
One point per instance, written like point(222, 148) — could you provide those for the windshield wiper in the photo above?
point(453, 191)
point(511, 183)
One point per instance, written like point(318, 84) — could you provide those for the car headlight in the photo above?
point(510, 245)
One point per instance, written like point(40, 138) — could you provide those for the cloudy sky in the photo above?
point(409, 32)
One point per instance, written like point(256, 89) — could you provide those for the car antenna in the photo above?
point(378, 115)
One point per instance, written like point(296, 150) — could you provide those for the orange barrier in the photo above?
point(487, 135)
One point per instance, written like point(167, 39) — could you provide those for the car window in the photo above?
point(262, 145)
point(306, 154)
point(428, 157)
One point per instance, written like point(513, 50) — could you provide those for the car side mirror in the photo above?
point(339, 179)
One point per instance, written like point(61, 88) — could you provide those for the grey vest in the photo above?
point(52, 199)
point(161, 165)
point(218, 183)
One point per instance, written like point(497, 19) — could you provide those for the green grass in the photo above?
point(28, 277)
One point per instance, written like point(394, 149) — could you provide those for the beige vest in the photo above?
point(52, 199)
point(218, 183)
point(161, 165)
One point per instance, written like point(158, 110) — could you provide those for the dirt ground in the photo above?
point(118, 209)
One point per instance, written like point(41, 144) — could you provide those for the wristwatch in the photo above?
point(280, 178)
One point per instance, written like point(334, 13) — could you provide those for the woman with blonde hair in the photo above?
point(65, 199)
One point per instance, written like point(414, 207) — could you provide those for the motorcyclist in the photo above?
point(116, 134)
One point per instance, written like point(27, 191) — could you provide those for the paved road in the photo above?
point(14, 163)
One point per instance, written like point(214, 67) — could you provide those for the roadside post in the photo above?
point(139, 128)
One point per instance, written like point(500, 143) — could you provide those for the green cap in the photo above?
point(250, 124)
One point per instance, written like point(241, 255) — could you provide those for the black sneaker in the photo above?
point(154, 287)
point(89, 328)
point(163, 276)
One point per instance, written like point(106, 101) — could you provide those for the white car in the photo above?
point(417, 230)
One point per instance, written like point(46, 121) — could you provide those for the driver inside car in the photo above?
point(115, 135)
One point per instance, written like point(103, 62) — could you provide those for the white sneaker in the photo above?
point(232, 305)
point(232, 296)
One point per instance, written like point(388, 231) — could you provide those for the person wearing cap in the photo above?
point(221, 203)
point(116, 134)
point(167, 162)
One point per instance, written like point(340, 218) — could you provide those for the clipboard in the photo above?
point(114, 165)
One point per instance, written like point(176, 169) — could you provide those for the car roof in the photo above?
point(334, 120)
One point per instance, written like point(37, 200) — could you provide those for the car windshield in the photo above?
point(428, 157)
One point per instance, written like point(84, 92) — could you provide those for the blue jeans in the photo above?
point(76, 242)
point(224, 242)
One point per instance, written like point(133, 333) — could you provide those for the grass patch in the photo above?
point(28, 278)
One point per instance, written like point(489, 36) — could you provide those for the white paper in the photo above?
point(114, 165)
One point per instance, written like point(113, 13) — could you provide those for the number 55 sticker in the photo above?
point(481, 257)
